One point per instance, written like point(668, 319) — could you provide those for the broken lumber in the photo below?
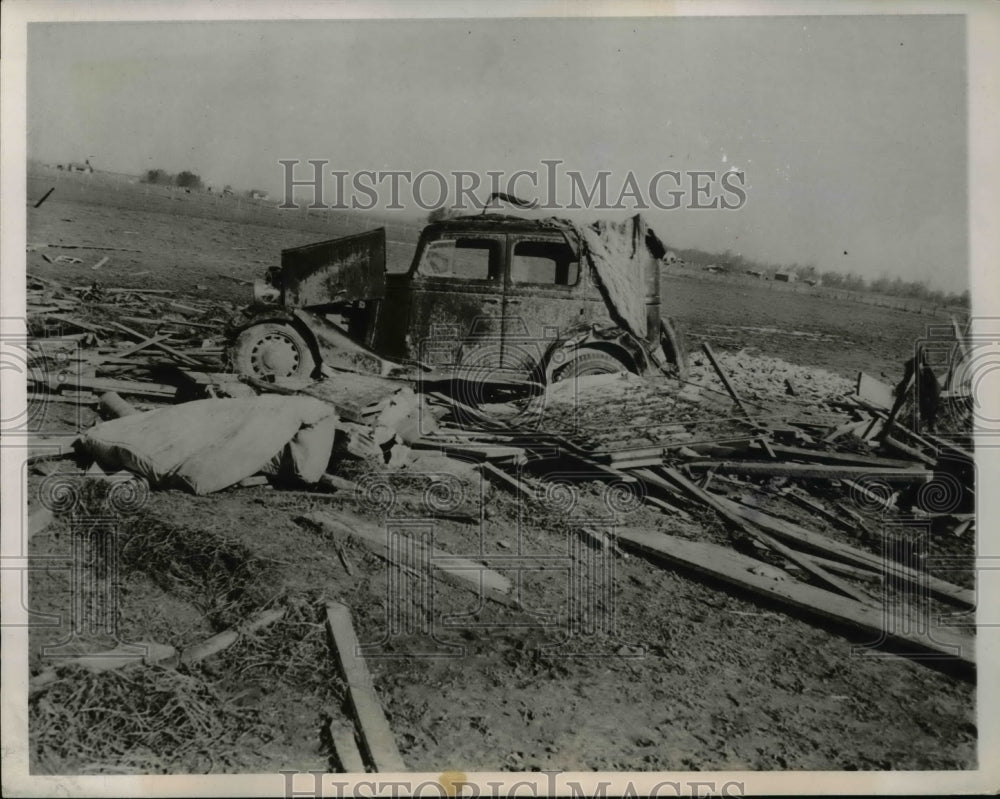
point(815, 542)
point(816, 471)
point(809, 565)
point(807, 503)
point(460, 571)
point(874, 391)
point(843, 568)
point(885, 503)
point(84, 247)
point(104, 384)
point(899, 446)
point(345, 748)
point(837, 458)
point(158, 344)
point(376, 735)
point(225, 639)
point(707, 349)
point(719, 563)
point(471, 449)
point(499, 475)
point(712, 501)
point(141, 345)
point(44, 197)
point(848, 427)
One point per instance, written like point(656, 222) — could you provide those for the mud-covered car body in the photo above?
point(491, 298)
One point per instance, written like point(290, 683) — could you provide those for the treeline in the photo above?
point(849, 281)
point(185, 180)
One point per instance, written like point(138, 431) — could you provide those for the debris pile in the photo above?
point(830, 500)
point(87, 340)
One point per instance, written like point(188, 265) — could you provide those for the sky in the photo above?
point(851, 131)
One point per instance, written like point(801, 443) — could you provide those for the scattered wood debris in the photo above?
point(376, 736)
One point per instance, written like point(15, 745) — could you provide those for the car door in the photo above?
point(456, 307)
point(548, 294)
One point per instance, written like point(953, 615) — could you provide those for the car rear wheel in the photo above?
point(589, 362)
point(273, 352)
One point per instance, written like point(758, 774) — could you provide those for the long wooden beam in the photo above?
point(720, 563)
point(376, 735)
point(814, 471)
point(803, 538)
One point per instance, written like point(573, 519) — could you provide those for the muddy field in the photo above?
point(667, 672)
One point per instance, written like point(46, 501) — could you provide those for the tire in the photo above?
point(589, 362)
point(273, 352)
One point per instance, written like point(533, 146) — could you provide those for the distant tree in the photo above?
point(188, 180)
point(159, 177)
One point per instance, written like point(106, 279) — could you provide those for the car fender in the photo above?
point(615, 341)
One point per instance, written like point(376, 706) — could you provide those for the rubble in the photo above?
point(795, 464)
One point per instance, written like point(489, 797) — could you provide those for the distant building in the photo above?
point(75, 166)
point(257, 194)
point(785, 277)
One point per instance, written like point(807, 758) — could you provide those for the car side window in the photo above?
point(462, 259)
point(549, 263)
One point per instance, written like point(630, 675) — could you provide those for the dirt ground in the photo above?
point(659, 672)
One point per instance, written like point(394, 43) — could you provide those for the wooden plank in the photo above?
point(377, 739)
point(222, 641)
point(811, 566)
point(159, 345)
point(463, 572)
point(103, 384)
point(807, 503)
point(707, 349)
point(141, 345)
point(900, 400)
point(734, 519)
point(467, 410)
point(887, 504)
point(69, 320)
point(803, 538)
point(345, 747)
point(843, 568)
point(471, 449)
point(676, 486)
point(836, 458)
point(499, 475)
point(44, 197)
point(719, 563)
point(85, 247)
point(913, 452)
point(874, 391)
point(809, 471)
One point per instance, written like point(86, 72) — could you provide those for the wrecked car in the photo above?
point(489, 298)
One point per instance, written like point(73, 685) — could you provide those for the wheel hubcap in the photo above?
point(276, 355)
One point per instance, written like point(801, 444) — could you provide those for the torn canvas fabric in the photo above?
point(208, 445)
